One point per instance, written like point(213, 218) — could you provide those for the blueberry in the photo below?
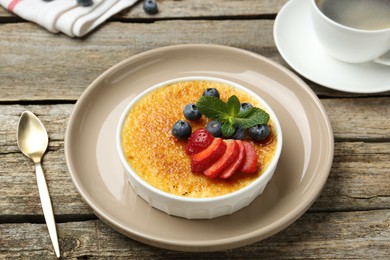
point(214, 128)
point(211, 92)
point(259, 132)
point(239, 134)
point(181, 130)
point(85, 2)
point(245, 106)
point(191, 112)
point(150, 7)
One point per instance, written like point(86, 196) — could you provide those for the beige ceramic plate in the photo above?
point(96, 170)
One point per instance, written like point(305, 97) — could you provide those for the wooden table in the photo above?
point(46, 73)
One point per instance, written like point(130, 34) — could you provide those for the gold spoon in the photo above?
point(32, 141)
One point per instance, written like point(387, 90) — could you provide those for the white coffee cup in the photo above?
point(350, 44)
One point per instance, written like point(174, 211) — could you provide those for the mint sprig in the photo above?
point(229, 113)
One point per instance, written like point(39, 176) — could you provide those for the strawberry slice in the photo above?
point(231, 153)
point(229, 171)
point(204, 159)
point(250, 163)
point(198, 141)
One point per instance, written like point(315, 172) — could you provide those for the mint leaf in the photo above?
point(228, 129)
point(245, 113)
point(233, 106)
point(213, 108)
point(252, 117)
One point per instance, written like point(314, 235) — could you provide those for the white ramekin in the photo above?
point(200, 208)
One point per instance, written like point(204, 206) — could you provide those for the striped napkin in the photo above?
point(66, 16)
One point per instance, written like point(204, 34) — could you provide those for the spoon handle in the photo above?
point(47, 208)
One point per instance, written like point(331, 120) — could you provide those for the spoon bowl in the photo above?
point(33, 141)
point(32, 136)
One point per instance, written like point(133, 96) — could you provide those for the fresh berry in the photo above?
point(214, 128)
point(181, 130)
point(150, 7)
point(191, 112)
point(230, 155)
point(239, 134)
point(250, 162)
point(245, 106)
point(85, 2)
point(204, 159)
point(259, 132)
point(229, 171)
point(198, 141)
point(212, 92)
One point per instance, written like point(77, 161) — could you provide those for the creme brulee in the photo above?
point(160, 159)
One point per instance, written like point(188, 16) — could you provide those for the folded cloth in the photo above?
point(66, 15)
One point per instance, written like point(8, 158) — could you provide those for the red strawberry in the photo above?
point(198, 141)
point(229, 171)
point(250, 163)
point(231, 153)
point(204, 159)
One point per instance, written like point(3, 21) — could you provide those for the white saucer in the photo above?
point(298, 45)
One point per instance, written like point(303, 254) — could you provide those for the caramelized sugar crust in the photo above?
point(160, 159)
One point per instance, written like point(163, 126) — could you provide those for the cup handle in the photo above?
point(384, 59)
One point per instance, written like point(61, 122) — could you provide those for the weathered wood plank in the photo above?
point(201, 8)
point(358, 179)
point(38, 65)
point(341, 235)
point(359, 118)
point(197, 8)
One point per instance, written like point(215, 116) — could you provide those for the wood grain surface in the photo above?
point(46, 73)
